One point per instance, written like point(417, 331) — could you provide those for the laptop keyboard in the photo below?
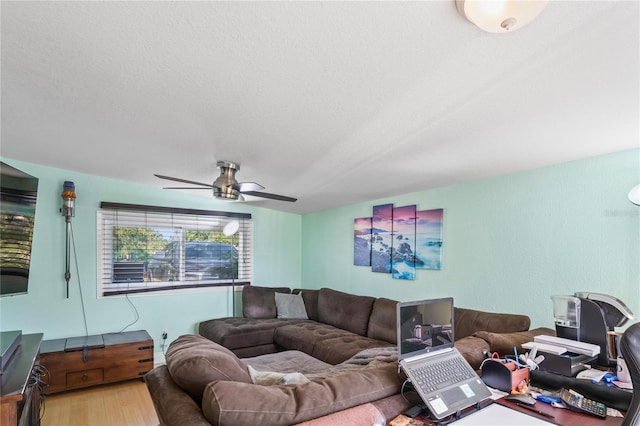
point(438, 375)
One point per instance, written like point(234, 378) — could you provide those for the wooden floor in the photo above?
point(119, 404)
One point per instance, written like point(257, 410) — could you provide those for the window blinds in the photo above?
point(147, 248)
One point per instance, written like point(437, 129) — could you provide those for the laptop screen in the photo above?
point(424, 326)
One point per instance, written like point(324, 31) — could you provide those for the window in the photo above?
point(146, 248)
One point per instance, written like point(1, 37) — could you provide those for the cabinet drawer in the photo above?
point(85, 378)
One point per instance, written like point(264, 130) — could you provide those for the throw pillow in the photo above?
point(269, 378)
point(290, 306)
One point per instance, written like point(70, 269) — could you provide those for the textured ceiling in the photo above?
point(330, 102)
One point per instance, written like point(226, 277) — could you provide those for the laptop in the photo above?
point(425, 342)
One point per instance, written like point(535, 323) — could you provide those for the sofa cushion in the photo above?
point(260, 302)
point(193, 361)
point(310, 298)
point(345, 311)
point(256, 350)
point(339, 349)
point(324, 342)
point(290, 306)
point(472, 349)
point(503, 343)
point(303, 336)
point(468, 321)
point(383, 321)
point(287, 362)
point(286, 405)
point(236, 333)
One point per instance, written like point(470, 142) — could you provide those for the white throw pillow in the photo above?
point(290, 306)
point(270, 378)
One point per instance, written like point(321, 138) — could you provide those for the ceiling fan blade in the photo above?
point(270, 196)
point(183, 180)
point(187, 187)
point(247, 186)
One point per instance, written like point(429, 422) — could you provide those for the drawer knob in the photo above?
point(85, 377)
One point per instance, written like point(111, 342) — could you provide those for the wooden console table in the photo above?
point(88, 361)
point(19, 392)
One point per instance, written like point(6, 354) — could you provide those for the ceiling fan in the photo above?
point(226, 187)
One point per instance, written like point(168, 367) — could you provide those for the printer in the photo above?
point(591, 318)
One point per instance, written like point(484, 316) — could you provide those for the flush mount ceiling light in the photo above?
point(500, 16)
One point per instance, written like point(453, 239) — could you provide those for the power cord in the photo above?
point(126, 295)
point(406, 383)
point(75, 255)
point(36, 380)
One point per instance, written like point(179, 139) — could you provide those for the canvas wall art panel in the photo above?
point(362, 241)
point(429, 239)
point(381, 238)
point(403, 260)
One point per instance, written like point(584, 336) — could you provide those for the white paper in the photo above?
point(591, 374)
point(499, 415)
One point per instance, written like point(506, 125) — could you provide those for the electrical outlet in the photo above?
point(164, 335)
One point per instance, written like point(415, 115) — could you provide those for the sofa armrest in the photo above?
point(173, 406)
point(503, 343)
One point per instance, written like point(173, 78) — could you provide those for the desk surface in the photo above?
point(562, 416)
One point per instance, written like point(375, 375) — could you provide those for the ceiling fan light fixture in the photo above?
point(226, 193)
point(500, 16)
point(223, 185)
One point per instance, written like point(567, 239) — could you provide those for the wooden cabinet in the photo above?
point(81, 362)
point(19, 385)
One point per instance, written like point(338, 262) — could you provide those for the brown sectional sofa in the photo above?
point(342, 348)
point(341, 324)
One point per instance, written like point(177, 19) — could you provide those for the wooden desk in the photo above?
point(564, 416)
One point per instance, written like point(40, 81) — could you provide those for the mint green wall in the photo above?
point(277, 261)
point(509, 242)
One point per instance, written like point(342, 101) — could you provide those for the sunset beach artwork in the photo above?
point(399, 240)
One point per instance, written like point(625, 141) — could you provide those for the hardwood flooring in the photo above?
point(118, 404)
